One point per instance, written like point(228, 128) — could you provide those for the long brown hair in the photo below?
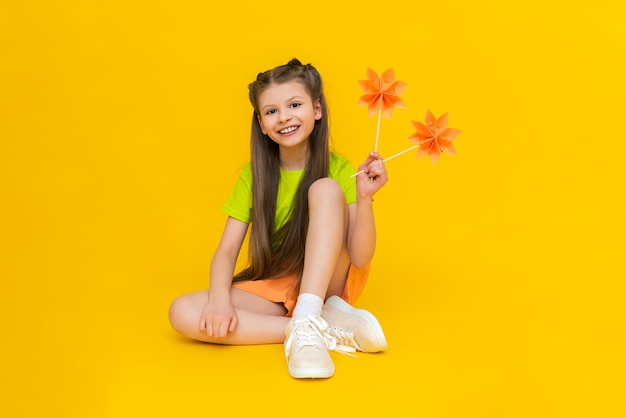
point(274, 254)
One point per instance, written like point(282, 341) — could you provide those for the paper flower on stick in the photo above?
point(431, 138)
point(434, 137)
point(381, 95)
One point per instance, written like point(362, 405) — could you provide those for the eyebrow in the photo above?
point(296, 97)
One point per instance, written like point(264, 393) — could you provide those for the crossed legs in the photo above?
point(326, 265)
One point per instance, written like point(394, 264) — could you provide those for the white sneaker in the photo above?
point(354, 329)
point(306, 348)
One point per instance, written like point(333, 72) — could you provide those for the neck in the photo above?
point(294, 159)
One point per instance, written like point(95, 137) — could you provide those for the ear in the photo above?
point(318, 109)
point(258, 118)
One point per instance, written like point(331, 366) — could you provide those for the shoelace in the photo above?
point(311, 331)
point(344, 339)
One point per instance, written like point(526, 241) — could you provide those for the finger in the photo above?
point(375, 156)
point(202, 324)
point(371, 157)
point(364, 175)
point(233, 323)
point(366, 180)
point(363, 168)
point(379, 167)
point(374, 170)
point(223, 331)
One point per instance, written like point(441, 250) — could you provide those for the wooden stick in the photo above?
point(390, 158)
point(377, 130)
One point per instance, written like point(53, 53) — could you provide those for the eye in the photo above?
point(295, 104)
point(270, 112)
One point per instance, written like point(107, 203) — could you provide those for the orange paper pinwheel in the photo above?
point(381, 93)
point(434, 137)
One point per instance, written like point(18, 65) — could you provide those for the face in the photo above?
point(287, 114)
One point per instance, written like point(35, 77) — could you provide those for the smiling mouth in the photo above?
point(288, 130)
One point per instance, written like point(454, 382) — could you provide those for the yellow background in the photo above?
point(499, 273)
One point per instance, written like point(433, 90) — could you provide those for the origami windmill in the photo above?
point(381, 95)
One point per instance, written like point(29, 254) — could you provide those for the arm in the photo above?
point(218, 316)
point(361, 226)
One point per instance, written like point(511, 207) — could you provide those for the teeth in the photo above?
point(290, 129)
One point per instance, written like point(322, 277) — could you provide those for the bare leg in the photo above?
point(326, 259)
point(260, 321)
point(326, 264)
point(325, 267)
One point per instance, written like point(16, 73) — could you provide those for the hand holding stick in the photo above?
point(389, 158)
point(432, 138)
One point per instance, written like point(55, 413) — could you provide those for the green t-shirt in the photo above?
point(239, 203)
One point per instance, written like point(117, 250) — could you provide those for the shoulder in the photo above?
point(336, 158)
point(339, 165)
point(245, 173)
point(341, 170)
point(244, 178)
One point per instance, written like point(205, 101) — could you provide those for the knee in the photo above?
point(326, 189)
point(179, 314)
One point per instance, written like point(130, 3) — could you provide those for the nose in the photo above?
point(285, 116)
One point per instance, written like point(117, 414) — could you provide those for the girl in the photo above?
point(312, 237)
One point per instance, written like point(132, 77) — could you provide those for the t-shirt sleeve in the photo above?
point(238, 205)
point(341, 169)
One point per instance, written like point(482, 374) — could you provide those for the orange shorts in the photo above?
point(283, 290)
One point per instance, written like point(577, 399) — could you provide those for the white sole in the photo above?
point(312, 373)
point(338, 303)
